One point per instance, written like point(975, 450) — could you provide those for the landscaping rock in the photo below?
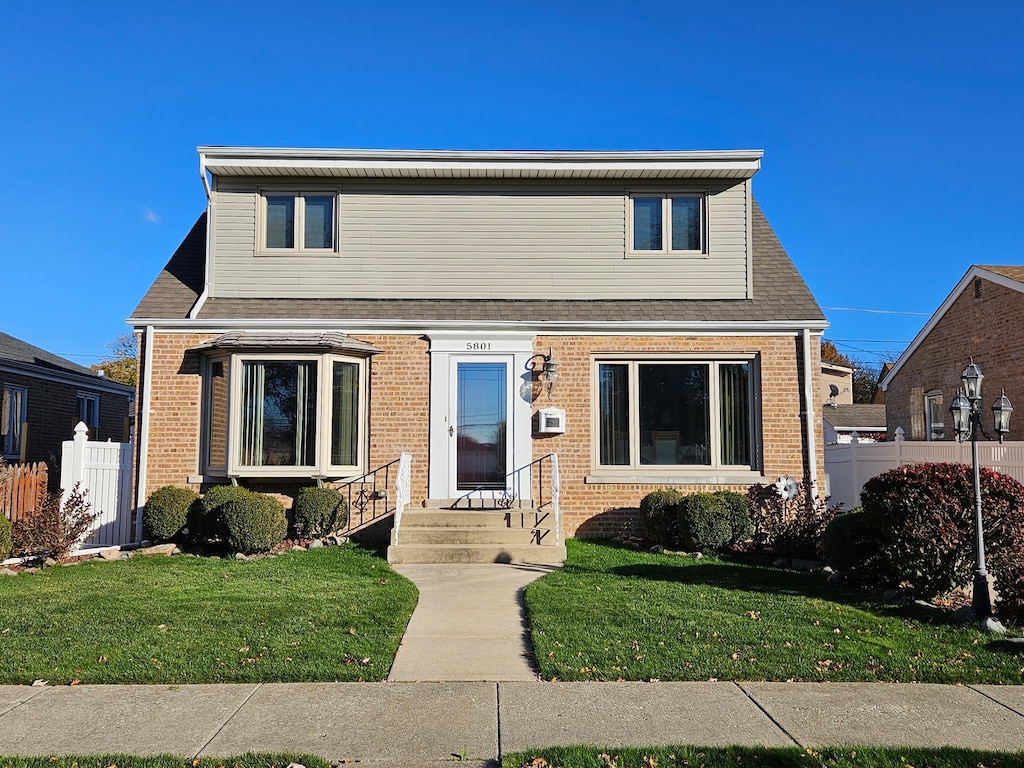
point(126, 556)
point(993, 625)
point(781, 563)
point(165, 550)
point(696, 555)
point(892, 595)
point(963, 615)
point(925, 608)
point(807, 565)
point(31, 571)
point(316, 544)
point(69, 563)
point(8, 572)
point(296, 765)
point(298, 548)
point(241, 556)
point(835, 578)
point(110, 554)
point(49, 562)
point(657, 549)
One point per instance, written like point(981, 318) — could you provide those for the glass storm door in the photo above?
point(479, 424)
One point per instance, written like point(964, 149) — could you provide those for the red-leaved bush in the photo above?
point(924, 514)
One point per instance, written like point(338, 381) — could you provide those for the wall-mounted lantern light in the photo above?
point(548, 373)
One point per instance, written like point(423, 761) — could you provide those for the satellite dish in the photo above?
point(833, 390)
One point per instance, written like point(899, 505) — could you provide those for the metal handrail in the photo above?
point(368, 497)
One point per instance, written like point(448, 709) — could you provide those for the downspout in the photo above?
point(810, 437)
point(194, 312)
point(143, 430)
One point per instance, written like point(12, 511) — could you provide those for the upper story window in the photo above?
point(13, 413)
point(667, 223)
point(299, 221)
point(675, 413)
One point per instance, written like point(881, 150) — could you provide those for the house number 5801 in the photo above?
point(478, 346)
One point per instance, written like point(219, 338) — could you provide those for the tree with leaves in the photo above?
point(865, 374)
point(122, 362)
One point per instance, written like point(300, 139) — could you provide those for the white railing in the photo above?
point(848, 467)
point(403, 490)
point(103, 472)
point(556, 490)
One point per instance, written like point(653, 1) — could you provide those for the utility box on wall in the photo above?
point(550, 421)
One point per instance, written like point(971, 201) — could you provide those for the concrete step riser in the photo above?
point(474, 536)
point(475, 504)
point(440, 519)
point(405, 553)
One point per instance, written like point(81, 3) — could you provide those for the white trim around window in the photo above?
point(13, 413)
point(686, 417)
point(297, 221)
point(89, 412)
point(667, 223)
point(284, 415)
point(934, 416)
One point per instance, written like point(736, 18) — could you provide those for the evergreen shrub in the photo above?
point(253, 522)
point(318, 511)
point(166, 512)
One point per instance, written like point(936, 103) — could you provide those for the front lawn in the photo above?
point(618, 614)
point(331, 614)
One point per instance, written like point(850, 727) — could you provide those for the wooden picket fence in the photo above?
point(21, 487)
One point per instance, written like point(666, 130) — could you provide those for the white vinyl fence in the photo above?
point(848, 467)
point(104, 471)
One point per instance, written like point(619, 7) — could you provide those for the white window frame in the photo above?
point(666, 221)
point(716, 467)
point(94, 429)
point(321, 466)
point(299, 196)
point(13, 433)
point(930, 397)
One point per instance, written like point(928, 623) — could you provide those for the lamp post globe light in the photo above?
point(966, 411)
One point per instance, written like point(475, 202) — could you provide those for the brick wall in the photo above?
point(986, 326)
point(53, 412)
point(399, 414)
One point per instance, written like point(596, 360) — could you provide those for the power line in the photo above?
point(878, 311)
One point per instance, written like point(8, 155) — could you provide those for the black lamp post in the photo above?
point(966, 410)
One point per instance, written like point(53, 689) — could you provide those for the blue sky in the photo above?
point(891, 131)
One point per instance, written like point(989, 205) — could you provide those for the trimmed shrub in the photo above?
point(5, 537)
point(703, 520)
point(54, 527)
point(166, 512)
point(253, 522)
point(205, 518)
point(851, 544)
point(925, 516)
point(738, 516)
point(660, 517)
point(319, 511)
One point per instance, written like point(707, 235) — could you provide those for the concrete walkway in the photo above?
point(469, 624)
point(468, 630)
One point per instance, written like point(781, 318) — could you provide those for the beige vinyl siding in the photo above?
point(471, 240)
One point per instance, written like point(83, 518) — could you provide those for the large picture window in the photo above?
point(284, 415)
point(674, 413)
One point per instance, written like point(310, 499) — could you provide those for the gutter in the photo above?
point(194, 312)
point(143, 436)
point(812, 444)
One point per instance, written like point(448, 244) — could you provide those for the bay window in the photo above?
point(658, 413)
point(280, 414)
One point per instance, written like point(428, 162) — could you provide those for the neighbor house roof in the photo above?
point(779, 295)
point(22, 357)
point(859, 416)
point(1009, 276)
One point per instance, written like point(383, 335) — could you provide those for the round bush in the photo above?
point(166, 512)
point(659, 515)
point(703, 522)
point(253, 522)
point(851, 543)
point(738, 516)
point(205, 519)
point(319, 511)
point(925, 517)
point(5, 537)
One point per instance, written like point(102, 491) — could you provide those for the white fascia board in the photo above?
point(562, 328)
point(97, 383)
point(737, 163)
point(965, 281)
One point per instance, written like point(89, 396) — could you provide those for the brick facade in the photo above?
point(399, 401)
point(983, 322)
point(52, 412)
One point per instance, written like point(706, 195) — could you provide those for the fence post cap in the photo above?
point(900, 434)
point(81, 431)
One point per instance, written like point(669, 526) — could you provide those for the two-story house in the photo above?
point(631, 312)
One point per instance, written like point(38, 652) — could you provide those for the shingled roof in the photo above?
point(27, 356)
point(779, 291)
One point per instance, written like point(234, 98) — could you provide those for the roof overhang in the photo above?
point(455, 164)
point(972, 273)
point(326, 341)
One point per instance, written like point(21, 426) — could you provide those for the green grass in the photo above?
point(760, 757)
point(336, 613)
point(614, 614)
point(248, 760)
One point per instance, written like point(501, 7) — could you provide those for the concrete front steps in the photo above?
point(447, 532)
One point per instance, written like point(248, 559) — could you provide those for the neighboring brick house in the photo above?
point(333, 308)
point(981, 318)
point(43, 397)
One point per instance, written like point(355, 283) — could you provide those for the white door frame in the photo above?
point(447, 348)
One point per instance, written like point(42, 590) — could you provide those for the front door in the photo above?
point(480, 434)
